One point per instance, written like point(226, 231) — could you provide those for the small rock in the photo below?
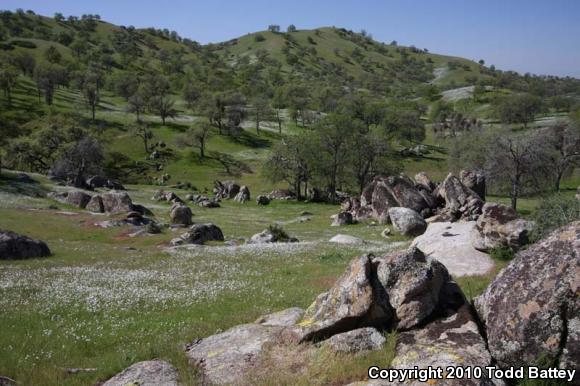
point(386, 233)
point(407, 222)
point(346, 239)
point(343, 218)
point(199, 234)
point(262, 200)
point(181, 214)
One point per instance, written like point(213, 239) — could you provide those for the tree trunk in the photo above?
point(93, 107)
point(558, 180)
point(257, 123)
point(202, 149)
point(163, 119)
point(514, 195)
point(279, 121)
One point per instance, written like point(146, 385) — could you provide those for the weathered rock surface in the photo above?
point(243, 195)
point(423, 181)
point(225, 358)
point(346, 239)
point(342, 218)
point(530, 310)
point(406, 221)
point(284, 318)
point(225, 190)
point(351, 303)
point(117, 202)
point(474, 180)
point(181, 214)
point(461, 203)
point(147, 373)
point(453, 340)
point(499, 225)
point(262, 200)
point(412, 284)
point(173, 198)
point(200, 234)
point(14, 246)
point(361, 339)
point(75, 198)
point(95, 205)
point(450, 243)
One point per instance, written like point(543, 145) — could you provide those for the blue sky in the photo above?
point(541, 37)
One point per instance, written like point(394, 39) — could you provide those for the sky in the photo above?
point(537, 36)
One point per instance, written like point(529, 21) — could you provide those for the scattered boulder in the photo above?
point(147, 373)
point(346, 239)
point(117, 202)
point(114, 185)
point(203, 201)
point(271, 235)
point(530, 310)
point(359, 340)
point(226, 357)
point(474, 180)
point(281, 194)
point(343, 218)
point(450, 243)
point(173, 198)
point(199, 234)
point(406, 221)
point(95, 205)
point(14, 246)
point(461, 203)
point(285, 318)
point(141, 209)
point(225, 190)
point(262, 200)
point(386, 233)
point(181, 214)
point(75, 198)
point(159, 195)
point(243, 195)
point(499, 225)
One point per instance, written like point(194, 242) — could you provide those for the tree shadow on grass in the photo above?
point(10, 183)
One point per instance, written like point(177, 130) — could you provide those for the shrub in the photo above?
point(502, 253)
point(278, 232)
point(259, 38)
point(23, 43)
point(554, 212)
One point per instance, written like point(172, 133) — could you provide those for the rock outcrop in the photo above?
point(530, 310)
point(406, 221)
point(243, 195)
point(474, 180)
point(281, 194)
point(461, 203)
point(225, 358)
point(95, 204)
point(199, 234)
point(499, 225)
point(14, 246)
point(148, 373)
point(284, 318)
point(181, 214)
point(423, 181)
point(225, 190)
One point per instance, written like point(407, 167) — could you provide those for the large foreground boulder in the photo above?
point(407, 222)
point(450, 243)
point(499, 225)
point(148, 373)
point(531, 309)
point(452, 340)
point(461, 203)
point(225, 358)
point(15, 246)
point(199, 234)
point(95, 205)
point(400, 290)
